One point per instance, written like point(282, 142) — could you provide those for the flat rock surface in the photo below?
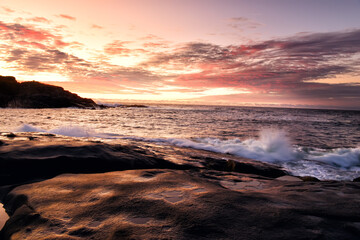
point(178, 204)
point(166, 193)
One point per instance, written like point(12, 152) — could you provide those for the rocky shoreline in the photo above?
point(38, 95)
point(56, 187)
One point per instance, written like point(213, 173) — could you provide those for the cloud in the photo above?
point(96, 26)
point(67, 17)
point(39, 20)
point(156, 45)
point(30, 36)
point(282, 65)
point(9, 10)
point(274, 70)
point(14, 31)
point(240, 23)
point(151, 37)
point(118, 48)
point(191, 53)
point(33, 50)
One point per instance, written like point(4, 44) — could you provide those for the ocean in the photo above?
point(321, 143)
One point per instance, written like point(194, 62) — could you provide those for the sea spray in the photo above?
point(345, 158)
point(272, 145)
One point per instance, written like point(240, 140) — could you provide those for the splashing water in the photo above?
point(324, 144)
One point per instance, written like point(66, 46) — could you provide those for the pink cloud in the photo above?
point(8, 10)
point(67, 17)
point(25, 32)
point(118, 48)
point(31, 36)
point(31, 44)
point(39, 19)
point(96, 26)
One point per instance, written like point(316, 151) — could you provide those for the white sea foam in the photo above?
point(28, 128)
point(74, 131)
point(71, 131)
point(345, 158)
point(272, 146)
point(68, 130)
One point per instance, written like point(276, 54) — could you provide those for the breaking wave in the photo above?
point(272, 146)
point(345, 158)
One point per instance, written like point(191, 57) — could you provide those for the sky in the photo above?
point(281, 53)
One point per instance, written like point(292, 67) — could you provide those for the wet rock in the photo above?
point(356, 179)
point(10, 135)
point(141, 191)
point(178, 204)
point(289, 179)
point(44, 159)
point(309, 179)
point(253, 167)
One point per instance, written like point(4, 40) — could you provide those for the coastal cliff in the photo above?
point(38, 95)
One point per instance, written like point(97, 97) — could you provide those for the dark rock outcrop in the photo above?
point(356, 179)
point(50, 155)
point(309, 179)
point(38, 95)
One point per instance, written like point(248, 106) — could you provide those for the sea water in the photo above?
point(306, 142)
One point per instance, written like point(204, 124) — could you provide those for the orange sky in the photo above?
point(210, 52)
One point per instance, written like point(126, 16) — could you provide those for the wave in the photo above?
point(272, 146)
point(70, 131)
point(345, 158)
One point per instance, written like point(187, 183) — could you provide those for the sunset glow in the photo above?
point(285, 53)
